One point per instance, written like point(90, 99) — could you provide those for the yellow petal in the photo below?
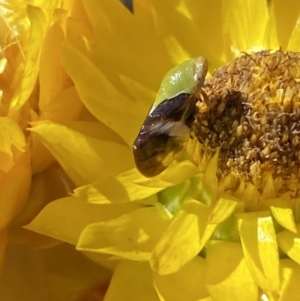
point(15, 186)
point(123, 33)
point(294, 41)
point(49, 6)
point(41, 157)
point(260, 248)
point(83, 39)
point(227, 273)
point(64, 219)
point(198, 14)
point(210, 181)
point(65, 105)
point(181, 242)
point(143, 14)
point(144, 95)
point(124, 83)
point(103, 260)
point(290, 275)
point(174, 47)
point(100, 97)
point(11, 137)
point(286, 15)
point(269, 190)
point(135, 281)
point(280, 208)
point(290, 243)
point(270, 38)
point(52, 77)
point(47, 186)
point(251, 193)
point(193, 17)
point(68, 145)
point(187, 284)
point(117, 190)
point(190, 229)
point(36, 36)
point(284, 217)
point(78, 32)
point(245, 23)
point(224, 207)
point(15, 171)
point(176, 173)
point(173, 198)
point(131, 236)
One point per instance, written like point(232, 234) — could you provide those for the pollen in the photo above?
point(250, 110)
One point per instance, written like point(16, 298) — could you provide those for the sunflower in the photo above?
point(221, 224)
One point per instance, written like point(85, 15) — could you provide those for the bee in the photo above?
point(167, 127)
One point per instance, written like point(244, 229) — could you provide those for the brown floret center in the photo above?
point(250, 109)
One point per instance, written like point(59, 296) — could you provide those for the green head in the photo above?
point(183, 78)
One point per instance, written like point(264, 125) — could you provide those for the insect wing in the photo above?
point(167, 128)
point(163, 135)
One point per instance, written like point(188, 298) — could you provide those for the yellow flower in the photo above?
point(20, 52)
point(196, 231)
point(34, 88)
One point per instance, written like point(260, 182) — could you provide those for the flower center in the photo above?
point(250, 110)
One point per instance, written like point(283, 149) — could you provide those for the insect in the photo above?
point(166, 129)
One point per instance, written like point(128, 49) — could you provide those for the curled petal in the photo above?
point(285, 217)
